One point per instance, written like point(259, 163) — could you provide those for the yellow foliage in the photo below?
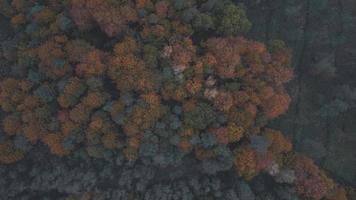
point(134, 142)
point(130, 153)
point(279, 143)
point(64, 101)
point(54, 142)
point(131, 129)
point(194, 86)
point(8, 85)
point(91, 64)
point(185, 145)
point(96, 123)
point(92, 136)
point(28, 116)
point(67, 127)
point(29, 103)
point(172, 91)
point(180, 28)
point(72, 86)
point(151, 98)
point(337, 194)
point(127, 46)
point(189, 105)
point(187, 132)
point(49, 53)
point(94, 151)
point(86, 196)
point(45, 16)
point(117, 107)
point(235, 132)
point(32, 132)
point(18, 20)
point(110, 140)
point(142, 118)
point(203, 154)
point(76, 49)
point(245, 162)
point(93, 100)
point(79, 114)
point(11, 124)
point(13, 92)
point(19, 5)
point(9, 154)
point(130, 73)
point(141, 3)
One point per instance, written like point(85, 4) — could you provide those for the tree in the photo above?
point(232, 21)
point(311, 182)
point(278, 143)
point(245, 162)
point(112, 17)
point(9, 154)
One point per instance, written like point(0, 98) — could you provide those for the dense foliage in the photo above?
point(148, 86)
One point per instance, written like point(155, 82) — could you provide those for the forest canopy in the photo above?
point(160, 84)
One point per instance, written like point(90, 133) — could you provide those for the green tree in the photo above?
point(233, 21)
